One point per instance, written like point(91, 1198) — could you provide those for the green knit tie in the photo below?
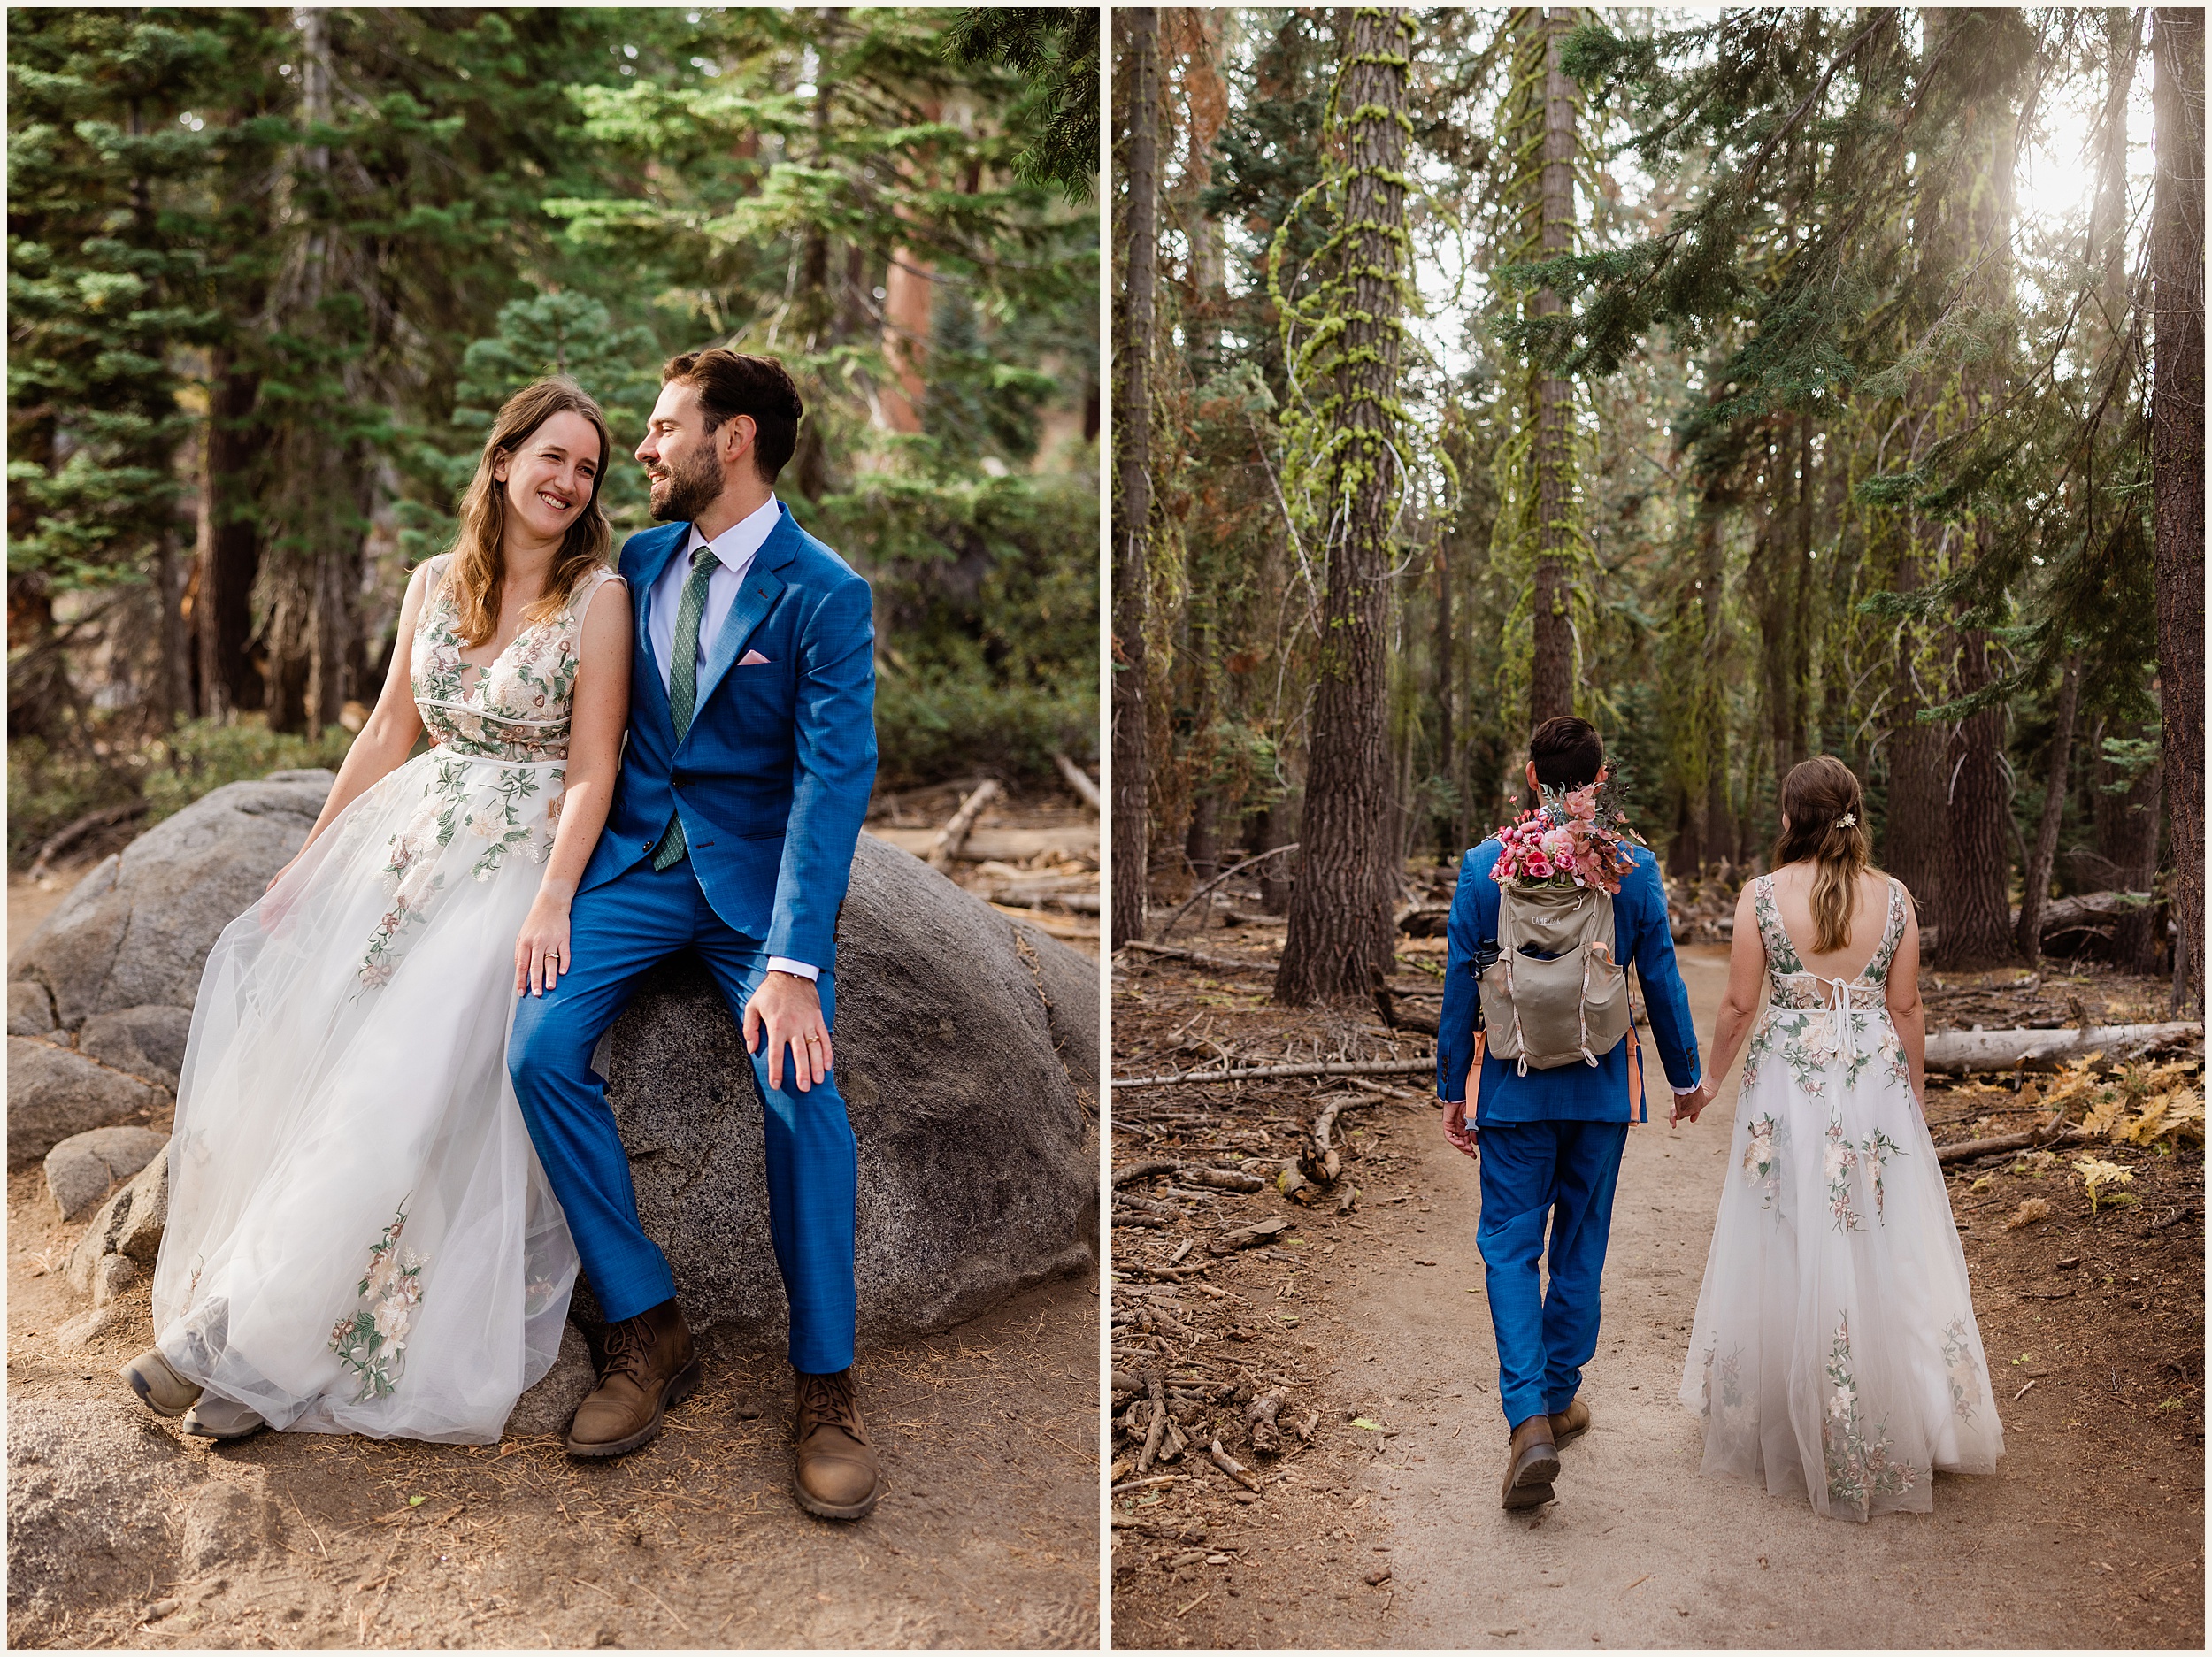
point(683, 686)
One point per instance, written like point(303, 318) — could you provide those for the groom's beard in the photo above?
point(686, 490)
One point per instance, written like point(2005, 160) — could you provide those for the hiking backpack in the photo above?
point(1555, 994)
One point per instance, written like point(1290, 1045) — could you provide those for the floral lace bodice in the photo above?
point(1824, 1026)
point(516, 708)
point(1788, 982)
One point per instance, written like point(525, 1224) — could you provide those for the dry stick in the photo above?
point(1967, 1151)
point(1085, 789)
point(1158, 1427)
point(1225, 963)
point(1216, 880)
point(1259, 1417)
point(1262, 1072)
point(83, 826)
point(1234, 1468)
point(954, 835)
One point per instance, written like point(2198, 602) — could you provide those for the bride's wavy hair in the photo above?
point(478, 564)
point(1826, 826)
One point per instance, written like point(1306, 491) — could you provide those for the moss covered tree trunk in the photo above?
point(1340, 942)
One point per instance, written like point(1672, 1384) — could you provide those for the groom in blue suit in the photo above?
point(1551, 1140)
point(751, 752)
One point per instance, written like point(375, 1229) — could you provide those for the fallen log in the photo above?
point(1267, 1072)
point(1966, 1150)
point(1135, 1171)
point(1085, 789)
point(1322, 1162)
point(954, 835)
point(84, 826)
point(2010, 1049)
point(1175, 953)
point(1222, 1179)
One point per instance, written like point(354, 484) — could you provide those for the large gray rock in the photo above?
point(967, 1051)
point(967, 1044)
point(92, 1486)
point(137, 928)
point(54, 1092)
point(547, 1406)
point(30, 1010)
point(146, 1041)
point(129, 1223)
point(83, 1169)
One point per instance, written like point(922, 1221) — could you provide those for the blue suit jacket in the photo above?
point(1574, 1093)
point(772, 778)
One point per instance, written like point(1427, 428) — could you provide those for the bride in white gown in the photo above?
point(1834, 1352)
point(359, 1238)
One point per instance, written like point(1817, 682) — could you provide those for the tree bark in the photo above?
point(2177, 466)
point(229, 546)
point(2036, 880)
point(1340, 943)
point(1551, 668)
point(1139, 27)
point(1976, 912)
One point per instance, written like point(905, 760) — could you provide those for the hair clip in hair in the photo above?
point(1847, 820)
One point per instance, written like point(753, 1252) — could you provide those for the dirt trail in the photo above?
point(2086, 1536)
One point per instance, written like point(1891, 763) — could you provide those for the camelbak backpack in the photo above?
point(1555, 994)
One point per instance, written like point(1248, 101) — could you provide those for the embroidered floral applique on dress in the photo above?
point(372, 1341)
point(497, 781)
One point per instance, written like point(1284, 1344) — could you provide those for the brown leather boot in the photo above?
point(1531, 1465)
point(1571, 1423)
point(649, 1365)
point(835, 1473)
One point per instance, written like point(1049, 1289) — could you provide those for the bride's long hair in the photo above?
point(1825, 813)
point(478, 564)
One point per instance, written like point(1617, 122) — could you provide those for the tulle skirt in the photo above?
point(1834, 1353)
point(359, 1237)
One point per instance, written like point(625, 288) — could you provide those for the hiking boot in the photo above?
point(220, 1418)
point(833, 1473)
point(1531, 1465)
point(161, 1388)
point(1570, 1424)
point(649, 1365)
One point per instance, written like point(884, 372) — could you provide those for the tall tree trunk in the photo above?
point(1977, 910)
point(1551, 668)
point(2036, 880)
point(2127, 814)
point(229, 544)
point(1448, 840)
point(2177, 466)
point(1139, 27)
point(1340, 943)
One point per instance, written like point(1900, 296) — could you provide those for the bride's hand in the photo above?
point(541, 947)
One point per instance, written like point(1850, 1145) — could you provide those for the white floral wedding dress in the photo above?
point(1834, 1352)
point(359, 1237)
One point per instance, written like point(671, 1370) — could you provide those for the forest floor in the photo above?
point(987, 1535)
point(1385, 1530)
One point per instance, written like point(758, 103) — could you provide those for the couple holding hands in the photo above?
point(1834, 1352)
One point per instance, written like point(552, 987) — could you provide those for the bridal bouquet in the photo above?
point(1572, 838)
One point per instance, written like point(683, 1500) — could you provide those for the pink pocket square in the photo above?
point(752, 658)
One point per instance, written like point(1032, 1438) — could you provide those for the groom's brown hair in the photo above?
point(1567, 752)
point(737, 382)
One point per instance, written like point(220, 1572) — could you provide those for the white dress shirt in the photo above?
point(733, 550)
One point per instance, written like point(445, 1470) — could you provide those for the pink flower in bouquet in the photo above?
point(1559, 844)
point(1538, 868)
point(1582, 804)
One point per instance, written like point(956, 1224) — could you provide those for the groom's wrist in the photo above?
point(796, 968)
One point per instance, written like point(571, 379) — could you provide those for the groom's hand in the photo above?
point(1455, 1128)
point(788, 1010)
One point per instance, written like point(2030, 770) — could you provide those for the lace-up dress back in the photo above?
point(359, 1237)
point(1834, 1352)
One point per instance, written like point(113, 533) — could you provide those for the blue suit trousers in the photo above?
point(617, 933)
point(1565, 1171)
